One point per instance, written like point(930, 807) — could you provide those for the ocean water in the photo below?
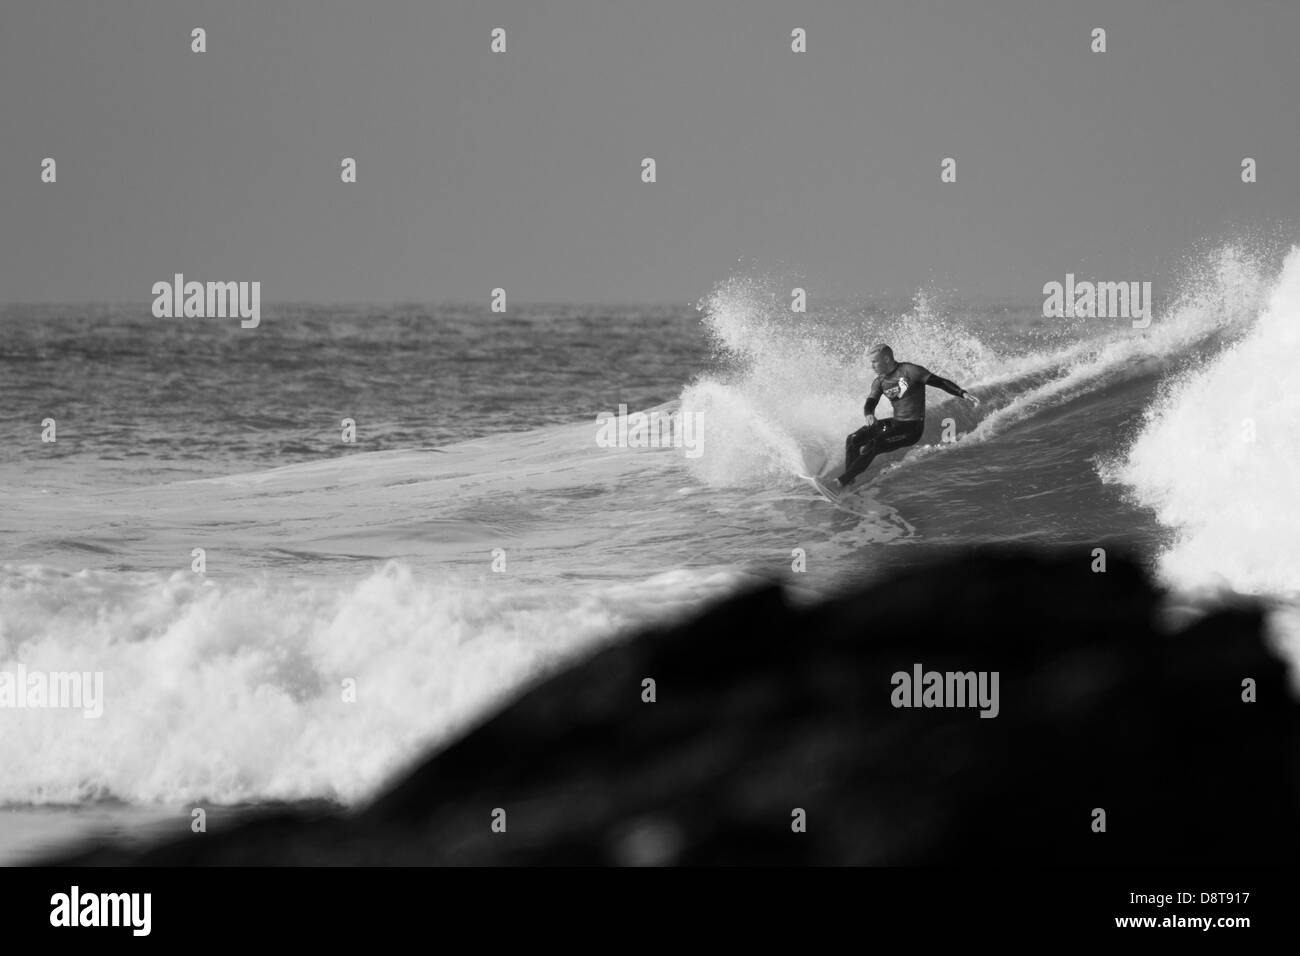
point(477, 535)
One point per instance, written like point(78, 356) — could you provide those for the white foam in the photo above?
point(233, 691)
point(1232, 499)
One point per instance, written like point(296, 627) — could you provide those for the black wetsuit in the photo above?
point(904, 386)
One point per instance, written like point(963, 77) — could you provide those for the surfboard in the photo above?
point(844, 500)
point(825, 490)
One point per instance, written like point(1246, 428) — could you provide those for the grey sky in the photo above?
point(522, 170)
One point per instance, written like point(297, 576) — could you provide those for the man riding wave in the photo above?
point(903, 383)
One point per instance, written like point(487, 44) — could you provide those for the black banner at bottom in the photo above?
point(335, 906)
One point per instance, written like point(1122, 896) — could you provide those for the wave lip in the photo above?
point(1219, 453)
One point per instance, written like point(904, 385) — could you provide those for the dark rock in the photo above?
point(764, 707)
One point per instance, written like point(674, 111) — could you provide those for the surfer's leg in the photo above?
point(853, 445)
point(860, 449)
point(860, 464)
point(890, 436)
point(901, 435)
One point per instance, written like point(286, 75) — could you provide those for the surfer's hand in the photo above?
point(970, 399)
point(871, 420)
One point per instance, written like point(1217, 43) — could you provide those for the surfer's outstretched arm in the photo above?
point(952, 388)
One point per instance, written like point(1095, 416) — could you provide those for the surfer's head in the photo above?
point(882, 358)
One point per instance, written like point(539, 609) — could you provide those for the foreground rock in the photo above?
point(764, 708)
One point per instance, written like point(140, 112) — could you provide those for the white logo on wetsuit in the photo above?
point(898, 391)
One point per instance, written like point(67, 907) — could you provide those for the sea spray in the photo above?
point(791, 385)
point(1220, 452)
point(1216, 301)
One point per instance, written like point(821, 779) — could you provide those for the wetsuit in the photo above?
point(904, 386)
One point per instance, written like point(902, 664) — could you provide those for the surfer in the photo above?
point(903, 383)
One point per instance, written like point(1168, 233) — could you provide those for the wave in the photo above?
point(792, 386)
point(230, 689)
